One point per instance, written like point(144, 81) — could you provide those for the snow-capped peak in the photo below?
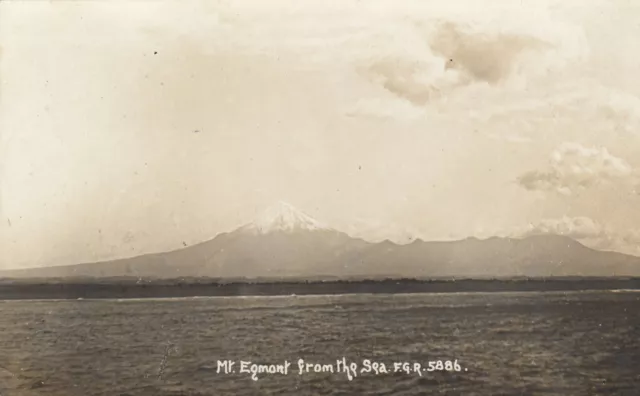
point(284, 217)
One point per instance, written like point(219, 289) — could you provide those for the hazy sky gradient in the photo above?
point(131, 126)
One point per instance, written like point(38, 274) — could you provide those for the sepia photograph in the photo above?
point(354, 197)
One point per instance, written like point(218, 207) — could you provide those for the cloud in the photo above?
point(621, 110)
point(574, 167)
point(451, 58)
point(488, 57)
point(573, 227)
point(441, 56)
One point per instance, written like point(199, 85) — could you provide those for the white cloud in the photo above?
point(620, 109)
point(574, 227)
point(440, 57)
point(575, 167)
point(421, 52)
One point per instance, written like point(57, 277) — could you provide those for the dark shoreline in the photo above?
point(107, 289)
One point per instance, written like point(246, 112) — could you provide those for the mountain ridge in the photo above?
point(288, 243)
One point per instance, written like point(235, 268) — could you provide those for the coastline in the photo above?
point(123, 289)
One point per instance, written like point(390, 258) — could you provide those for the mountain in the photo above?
point(283, 217)
point(285, 242)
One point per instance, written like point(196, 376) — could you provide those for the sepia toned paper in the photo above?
point(319, 198)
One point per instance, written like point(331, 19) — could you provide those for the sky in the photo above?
point(129, 127)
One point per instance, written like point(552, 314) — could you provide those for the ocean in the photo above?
point(553, 343)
